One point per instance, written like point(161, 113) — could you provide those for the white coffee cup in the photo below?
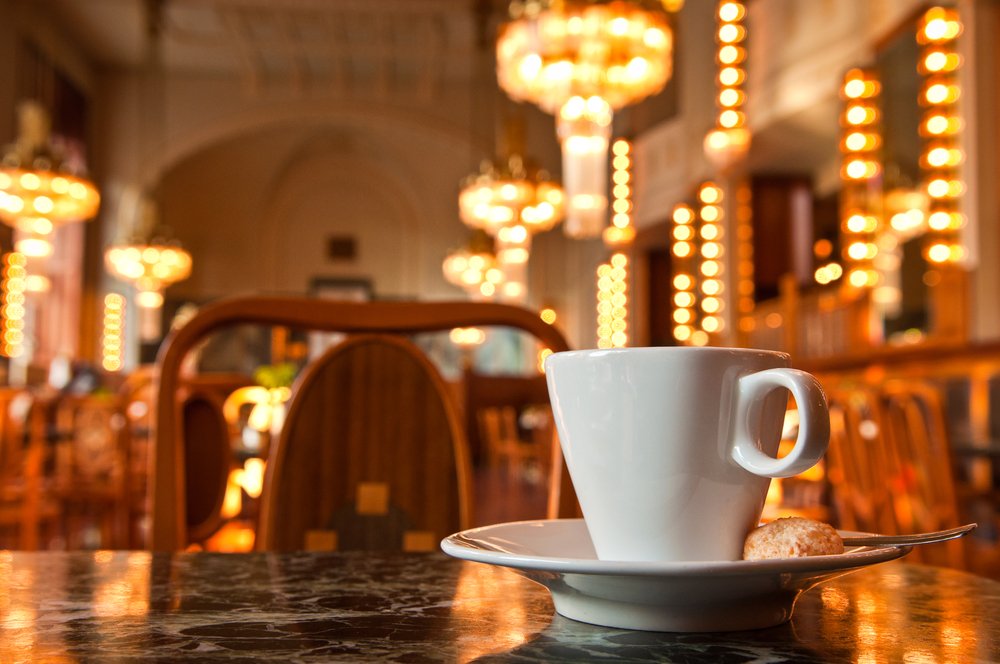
point(671, 450)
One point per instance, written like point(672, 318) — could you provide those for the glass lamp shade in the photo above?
point(151, 267)
point(585, 172)
point(619, 51)
point(510, 194)
point(29, 195)
point(37, 190)
point(475, 271)
point(582, 60)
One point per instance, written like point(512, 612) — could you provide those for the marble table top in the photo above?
point(304, 607)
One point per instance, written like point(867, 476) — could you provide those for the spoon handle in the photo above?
point(918, 538)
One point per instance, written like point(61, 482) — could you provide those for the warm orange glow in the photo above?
point(612, 303)
point(252, 479)
point(467, 336)
point(512, 192)
point(729, 141)
point(113, 335)
point(860, 166)
point(542, 354)
point(12, 312)
point(232, 502)
point(943, 155)
point(58, 197)
point(582, 62)
point(151, 267)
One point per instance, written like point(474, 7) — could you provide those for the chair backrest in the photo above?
point(207, 458)
point(169, 479)
point(889, 464)
point(372, 455)
point(855, 461)
point(484, 391)
point(922, 477)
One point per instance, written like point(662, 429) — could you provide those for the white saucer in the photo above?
point(668, 596)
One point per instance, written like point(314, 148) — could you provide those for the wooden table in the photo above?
point(138, 606)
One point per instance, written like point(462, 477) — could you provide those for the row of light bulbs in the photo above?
point(860, 173)
point(869, 251)
point(941, 129)
point(730, 138)
point(698, 247)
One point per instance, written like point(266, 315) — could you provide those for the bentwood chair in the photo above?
point(889, 464)
point(372, 455)
point(367, 325)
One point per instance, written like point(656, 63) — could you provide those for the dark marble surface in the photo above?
point(113, 607)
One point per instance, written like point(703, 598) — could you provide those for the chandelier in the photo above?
point(151, 266)
point(511, 200)
point(474, 268)
point(581, 61)
point(39, 190)
point(150, 262)
point(508, 193)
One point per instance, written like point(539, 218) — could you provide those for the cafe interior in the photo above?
point(206, 204)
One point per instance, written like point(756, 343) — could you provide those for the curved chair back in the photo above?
point(372, 455)
point(889, 464)
point(169, 484)
point(207, 459)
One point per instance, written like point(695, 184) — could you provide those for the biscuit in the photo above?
point(792, 537)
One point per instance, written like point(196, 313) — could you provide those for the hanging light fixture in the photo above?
point(581, 61)
point(510, 192)
point(511, 200)
point(150, 265)
point(151, 261)
point(474, 268)
point(38, 188)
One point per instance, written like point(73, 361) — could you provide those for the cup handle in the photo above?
point(814, 422)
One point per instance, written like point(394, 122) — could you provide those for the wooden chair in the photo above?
point(90, 478)
point(505, 446)
point(855, 461)
point(27, 510)
point(922, 478)
point(169, 479)
point(889, 464)
point(207, 459)
point(372, 455)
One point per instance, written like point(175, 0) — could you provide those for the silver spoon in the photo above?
point(917, 538)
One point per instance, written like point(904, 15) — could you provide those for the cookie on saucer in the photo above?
point(792, 537)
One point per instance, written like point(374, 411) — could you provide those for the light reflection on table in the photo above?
point(376, 607)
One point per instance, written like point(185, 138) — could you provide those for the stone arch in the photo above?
point(322, 167)
point(196, 139)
